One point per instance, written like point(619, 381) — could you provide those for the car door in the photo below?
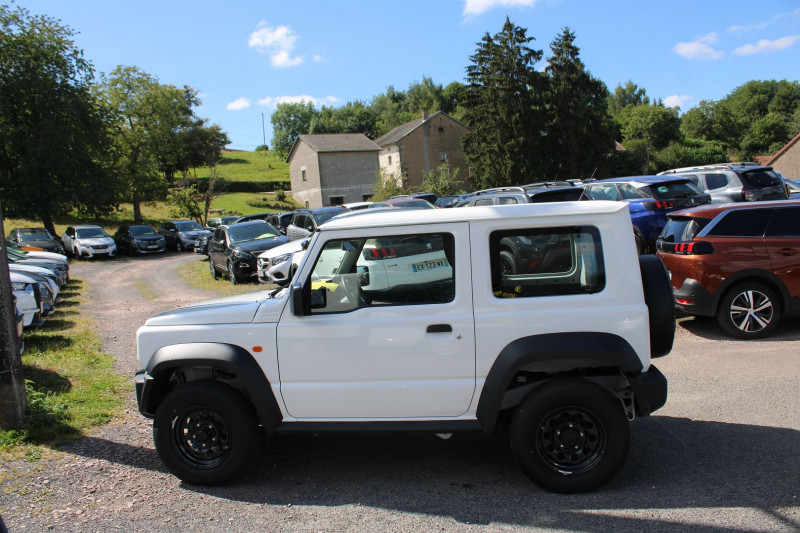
point(782, 241)
point(380, 359)
point(216, 248)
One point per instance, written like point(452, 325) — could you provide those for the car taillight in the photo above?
point(379, 253)
point(659, 204)
point(749, 196)
point(694, 248)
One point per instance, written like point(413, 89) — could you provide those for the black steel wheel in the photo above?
point(750, 310)
point(570, 435)
point(205, 432)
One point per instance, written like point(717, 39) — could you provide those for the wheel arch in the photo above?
point(228, 363)
point(571, 353)
point(757, 276)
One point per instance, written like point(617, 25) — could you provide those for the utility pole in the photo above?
point(264, 133)
point(13, 401)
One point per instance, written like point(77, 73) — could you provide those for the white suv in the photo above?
point(88, 241)
point(413, 320)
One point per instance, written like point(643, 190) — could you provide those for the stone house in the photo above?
point(417, 147)
point(787, 160)
point(332, 168)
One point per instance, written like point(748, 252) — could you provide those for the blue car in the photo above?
point(649, 199)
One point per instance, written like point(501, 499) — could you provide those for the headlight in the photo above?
point(241, 254)
point(281, 259)
point(21, 286)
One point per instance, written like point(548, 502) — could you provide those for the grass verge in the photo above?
point(197, 275)
point(71, 384)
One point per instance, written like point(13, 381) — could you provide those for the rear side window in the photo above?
point(761, 178)
point(682, 229)
point(785, 223)
point(546, 262)
point(742, 223)
point(716, 181)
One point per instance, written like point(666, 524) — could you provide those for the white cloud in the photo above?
point(478, 7)
point(700, 49)
point(273, 101)
point(318, 58)
point(675, 100)
point(746, 28)
point(278, 42)
point(765, 46)
point(238, 104)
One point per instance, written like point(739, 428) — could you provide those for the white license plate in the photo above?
point(429, 265)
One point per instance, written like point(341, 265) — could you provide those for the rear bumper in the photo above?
point(694, 298)
point(649, 391)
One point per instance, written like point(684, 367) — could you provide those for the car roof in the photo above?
point(645, 180)
point(405, 217)
point(712, 210)
point(85, 226)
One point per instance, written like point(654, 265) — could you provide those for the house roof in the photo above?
point(335, 142)
point(404, 129)
point(783, 150)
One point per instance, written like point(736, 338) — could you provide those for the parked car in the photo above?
point(181, 234)
point(495, 198)
point(248, 218)
point(278, 264)
point(52, 257)
point(735, 182)
point(35, 238)
point(48, 291)
point(59, 271)
point(234, 249)
point(139, 239)
point(739, 262)
point(553, 191)
point(429, 196)
point(794, 189)
point(201, 244)
point(215, 222)
point(449, 201)
point(649, 199)
point(280, 220)
point(19, 318)
point(306, 221)
point(88, 241)
point(403, 203)
point(27, 294)
point(357, 206)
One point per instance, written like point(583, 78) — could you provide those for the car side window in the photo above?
point(629, 192)
point(742, 223)
point(546, 262)
point(602, 192)
point(219, 235)
point(414, 269)
point(784, 223)
point(716, 181)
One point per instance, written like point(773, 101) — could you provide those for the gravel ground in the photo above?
point(722, 455)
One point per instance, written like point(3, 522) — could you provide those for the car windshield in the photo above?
point(251, 232)
point(28, 235)
point(666, 191)
point(142, 231)
point(189, 225)
point(90, 233)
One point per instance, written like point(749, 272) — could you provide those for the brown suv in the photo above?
point(738, 262)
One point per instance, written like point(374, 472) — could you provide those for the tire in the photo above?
point(232, 273)
point(213, 268)
point(508, 266)
point(640, 245)
point(750, 310)
point(131, 251)
point(570, 435)
point(660, 304)
point(205, 433)
point(178, 245)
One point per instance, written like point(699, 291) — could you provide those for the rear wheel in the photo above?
point(205, 432)
point(749, 311)
point(508, 266)
point(570, 435)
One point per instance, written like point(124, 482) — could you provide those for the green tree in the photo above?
point(442, 181)
point(389, 111)
point(766, 135)
point(630, 94)
point(53, 132)
point(353, 117)
point(452, 99)
point(655, 125)
point(424, 95)
point(288, 121)
point(580, 132)
point(711, 121)
point(504, 109)
point(386, 186)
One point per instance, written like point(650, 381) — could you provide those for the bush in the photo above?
point(280, 195)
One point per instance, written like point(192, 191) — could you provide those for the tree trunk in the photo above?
point(13, 401)
point(137, 211)
point(47, 222)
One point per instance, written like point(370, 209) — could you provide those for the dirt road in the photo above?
point(723, 454)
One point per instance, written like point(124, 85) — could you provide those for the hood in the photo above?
point(195, 233)
point(260, 245)
point(232, 310)
point(49, 256)
point(96, 241)
point(285, 248)
point(46, 244)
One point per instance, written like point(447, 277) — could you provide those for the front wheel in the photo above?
point(232, 273)
point(178, 245)
point(570, 435)
point(205, 433)
point(213, 268)
point(749, 311)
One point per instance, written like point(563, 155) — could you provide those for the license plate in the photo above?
point(153, 246)
point(429, 265)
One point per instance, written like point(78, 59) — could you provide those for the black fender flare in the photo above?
point(230, 358)
point(552, 353)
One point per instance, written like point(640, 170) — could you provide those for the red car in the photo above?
point(739, 262)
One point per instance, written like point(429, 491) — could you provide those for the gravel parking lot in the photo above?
point(722, 455)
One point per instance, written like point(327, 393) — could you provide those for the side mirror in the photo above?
point(296, 299)
point(304, 244)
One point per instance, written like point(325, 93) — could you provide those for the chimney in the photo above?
point(424, 114)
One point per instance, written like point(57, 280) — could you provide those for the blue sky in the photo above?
point(245, 56)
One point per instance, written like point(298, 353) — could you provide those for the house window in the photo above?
point(336, 200)
point(303, 173)
point(390, 160)
point(442, 156)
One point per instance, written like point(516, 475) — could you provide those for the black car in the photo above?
point(280, 220)
point(36, 238)
point(181, 234)
point(234, 249)
point(140, 239)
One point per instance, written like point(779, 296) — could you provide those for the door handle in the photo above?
point(786, 251)
point(440, 328)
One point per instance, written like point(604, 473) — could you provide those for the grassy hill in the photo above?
point(235, 167)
